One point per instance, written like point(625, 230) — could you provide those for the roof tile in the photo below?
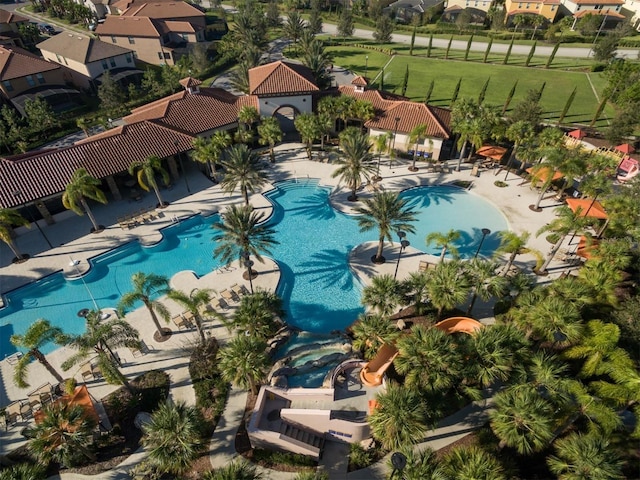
point(17, 63)
point(281, 78)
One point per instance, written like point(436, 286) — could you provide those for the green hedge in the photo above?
point(336, 43)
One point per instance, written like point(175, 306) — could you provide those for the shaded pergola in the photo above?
point(625, 148)
point(80, 396)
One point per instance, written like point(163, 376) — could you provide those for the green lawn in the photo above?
point(445, 73)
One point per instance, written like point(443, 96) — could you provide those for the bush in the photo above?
point(273, 458)
point(598, 67)
point(359, 457)
point(500, 183)
point(211, 391)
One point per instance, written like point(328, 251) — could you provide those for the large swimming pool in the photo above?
point(319, 291)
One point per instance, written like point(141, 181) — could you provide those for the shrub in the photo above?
point(359, 457)
point(273, 458)
point(500, 183)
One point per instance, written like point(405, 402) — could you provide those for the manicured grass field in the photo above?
point(445, 73)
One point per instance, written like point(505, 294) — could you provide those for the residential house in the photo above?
point(631, 10)
point(610, 10)
point(99, 8)
point(548, 9)
point(10, 28)
point(120, 6)
point(23, 76)
point(85, 60)
point(405, 10)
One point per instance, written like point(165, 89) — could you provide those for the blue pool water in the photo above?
point(320, 294)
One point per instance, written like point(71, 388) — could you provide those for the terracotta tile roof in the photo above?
point(128, 27)
point(80, 48)
point(122, 5)
point(359, 81)
point(17, 63)
point(11, 17)
point(247, 101)
point(601, 13)
point(43, 174)
point(163, 10)
point(178, 26)
point(281, 78)
point(380, 100)
point(598, 2)
point(190, 82)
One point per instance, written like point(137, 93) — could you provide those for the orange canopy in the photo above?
point(588, 208)
point(459, 324)
point(491, 151)
point(80, 397)
point(585, 248)
point(543, 173)
point(625, 148)
point(579, 134)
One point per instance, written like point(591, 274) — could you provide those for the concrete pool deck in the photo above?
point(70, 238)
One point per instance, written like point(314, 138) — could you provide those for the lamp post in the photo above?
point(395, 134)
point(403, 244)
point(74, 263)
point(485, 232)
point(248, 263)
point(17, 194)
point(184, 172)
point(399, 461)
point(366, 65)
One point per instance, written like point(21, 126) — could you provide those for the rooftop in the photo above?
point(81, 48)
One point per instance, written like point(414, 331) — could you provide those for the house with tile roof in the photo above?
point(23, 76)
point(631, 10)
point(10, 28)
point(610, 10)
point(99, 8)
point(548, 9)
point(481, 5)
point(85, 60)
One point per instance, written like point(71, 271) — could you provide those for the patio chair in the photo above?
point(239, 290)
point(229, 296)
point(14, 357)
point(11, 414)
point(141, 349)
point(86, 371)
point(189, 319)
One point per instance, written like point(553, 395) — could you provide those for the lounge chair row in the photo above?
point(228, 296)
point(133, 220)
point(24, 409)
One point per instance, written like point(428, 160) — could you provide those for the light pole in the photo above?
point(399, 461)
point(74, 263)
point(248, 263)
point(485, 232)
point(17, 194)
point(366, 65)
point(184, 172)
point(395, 134)
point(403, 244)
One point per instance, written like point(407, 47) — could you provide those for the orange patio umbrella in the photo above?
point(585, 248)
point(492, 151)
point(588, 207)
point(79, 397)
point(543, 173)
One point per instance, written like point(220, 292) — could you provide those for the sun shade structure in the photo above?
point(578, 134)
point(459, 325)
point(491, 151)
point(543, 174)
point(80, 397)
point(585, 248)
point(587, 207)
point(625, 148)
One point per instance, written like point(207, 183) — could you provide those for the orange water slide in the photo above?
point(459, 324)
point(371, 374)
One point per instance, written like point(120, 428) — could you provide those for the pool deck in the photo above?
point(72, 240)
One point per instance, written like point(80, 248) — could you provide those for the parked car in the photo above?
point(46, 29)
point(93, 25)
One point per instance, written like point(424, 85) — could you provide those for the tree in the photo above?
point(371, 332)
point(471, 463)
point(40, 115)
point(102, 337)
point(446, 241)
point(270, 134)
point(80, 187)
point(243, 171)
point(505, 60)
point(599, 110)
point(446, 53)
point(567, 105)
point(8, 219)
point(537, 21)
point(247, 116)
point(520, 132)
point(528, 110)
point(356, 164)
point(307, 126)
point(605, 49)
point(244, 361)
point(239, 470)
point(145, 172)
point(259, 314)
point(242, 233)
point(273, 15)
point(585, 457)
point(195, 302)
point(64, 435)
point(384, 29)
point(552, 56)
point(488, 50)
point(345, 23)
point(509, 97)
point(400, 417)
point(144, 287)
point(387, 212)
point(484, 281)
point(209, 152)
point(513, 244)
point(466, 52)
point(430, 45)
point(37, 335)
point(317, 59)
point(456, 91)
point(421, 465)
point(382, 295)
point(427, 97)
point(447, 286)
point(293, 26)
point(531, 53)
point(483, 91)
point(23, 471)
point(381, 145)
point(462, 115)
point(523, 420)
point(413, 39)
point(315, 19)
point(112, 97)
point(597, 348)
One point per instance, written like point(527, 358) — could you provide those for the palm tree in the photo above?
point(382, 295)
point(446, 241)
point(484, 281)
point(362, 110)
point(37, 335)
point(102, 337)
point(244, 361)
point(237, 470)
point(447, 286)
point(173, 437)
point(387, 212)
point(144, 287)
point(371, 332)
point(145, 172)
point(270, 134)
point(400, 418)
point(81, 187)
point(428, 360)
point(247, 116)
point(537, 21)
point(585, 457)
point(462, 113)
point(244, 171)
point(64, 435)
point(381, 145)
point(357, 162)
point(523, 420)
point(82, 124)
point(195, 302)
point(421, 465)
point(9, 219)
point(415, 136)
point(597, 347)
point(293, 26)
point(242, 233)
point(23, 471)
point(519, 133)
point(309, 130)
point(513, 244)
point(471, 463)
point(317, 59)
point(259, 314)
point(209, 151)
point(414, 290)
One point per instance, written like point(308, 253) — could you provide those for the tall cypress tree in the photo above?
point(430, 45)
point(405, 80)
point(506, 57)
point(446, 54)
point(488, 50)
point(567, 105)
point(531, 52)
point(552, 56)
point(456, 90)
point(601, 106)
point(539, 94)
point(413, 39)
point(381, 83)
point(509, 97)
point(466, 53)
point(483, 91)
point(429, 91)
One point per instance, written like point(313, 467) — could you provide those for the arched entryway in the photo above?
point(286, 114)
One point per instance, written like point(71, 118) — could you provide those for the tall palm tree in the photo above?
point(209, 151)
point(80, 187)
point(447, 286)
point(8, 219)
point(446, 241)
point(270, 134)
point(145, 172)
point(585, 457)
point(462, 114)
point(401, 417)
point(309, 129)
point(318, 60)
point(247, 116)
point(362, 110)
point(357, 162)
point(144, 287)
point(415, 136)
point(293, 26)
point(523, 420)
point(484, 281)
point(519, 133)
point(243, 171)
point(471, 463)
point(173, 437)
point(371, 332)
point(381, 145)
point(195, 302)
point(244, 361)
point(515, 244)
point(102, 337)
point(37, 335)
point(242, 233)
point(421, 465)
point(428, 360)
point(259, 314)
point(382, 295)
point(64, 435)
point(387, 212)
